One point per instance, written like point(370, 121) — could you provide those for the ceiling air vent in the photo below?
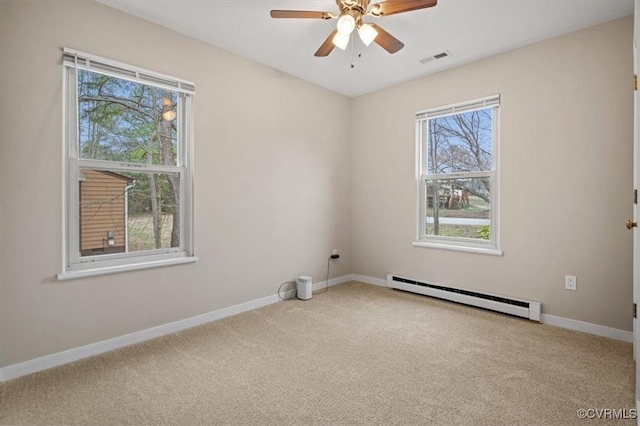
point(440, 55)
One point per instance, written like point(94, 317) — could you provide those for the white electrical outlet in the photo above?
point(570, 282)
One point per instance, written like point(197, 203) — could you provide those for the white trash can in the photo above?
point(304, 287)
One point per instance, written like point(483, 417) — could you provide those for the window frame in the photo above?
point(74, 265)
point(474, 245)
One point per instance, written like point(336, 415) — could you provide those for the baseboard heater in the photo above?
point(518, 307)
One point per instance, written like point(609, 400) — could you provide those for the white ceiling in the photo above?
point(468, 29)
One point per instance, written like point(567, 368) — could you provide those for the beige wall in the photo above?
point(272, 191)
point(566, 175)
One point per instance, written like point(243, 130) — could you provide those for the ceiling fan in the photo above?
point(350, 18)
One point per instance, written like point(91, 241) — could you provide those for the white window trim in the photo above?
point(470, 245)
point(74, 266)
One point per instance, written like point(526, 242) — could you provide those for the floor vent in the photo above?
point(518, 307)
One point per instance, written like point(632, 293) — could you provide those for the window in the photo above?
point(457, 176)
point(128, 167)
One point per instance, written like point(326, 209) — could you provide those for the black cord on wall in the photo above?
point(326, 285)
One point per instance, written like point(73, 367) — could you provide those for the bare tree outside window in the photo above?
point(458, 161)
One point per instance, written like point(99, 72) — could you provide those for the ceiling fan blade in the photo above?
point(300, 14)
point(327, 46)
point(386, 40)
point(391, 7)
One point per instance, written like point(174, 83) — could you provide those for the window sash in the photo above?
point(184, 109)
point(493, 217)
point(74, 208)
point(181, 110)
point(423, 135)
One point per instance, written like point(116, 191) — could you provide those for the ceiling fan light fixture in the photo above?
point(346, 24)
point(367, 34)
point(340, 40)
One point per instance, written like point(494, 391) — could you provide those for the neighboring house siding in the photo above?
point(102, 209)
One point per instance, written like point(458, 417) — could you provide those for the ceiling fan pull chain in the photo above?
point(353, 65)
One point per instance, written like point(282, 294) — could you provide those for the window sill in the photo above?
point(468, 249)
point(83, 273)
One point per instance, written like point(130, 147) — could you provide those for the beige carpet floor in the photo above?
point(357, 354)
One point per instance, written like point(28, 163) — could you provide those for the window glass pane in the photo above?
point(127, 212)
point(459, 143)
point(120, 120)
point(458, 208)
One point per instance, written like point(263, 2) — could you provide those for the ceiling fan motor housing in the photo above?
point(359, 6)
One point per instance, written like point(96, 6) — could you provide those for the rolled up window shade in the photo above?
point(75, 59)
point(483, 103)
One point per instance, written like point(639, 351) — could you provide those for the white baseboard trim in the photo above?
point(369, 280)
point(586, 327)
point(333, 281)
point(54, 360)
